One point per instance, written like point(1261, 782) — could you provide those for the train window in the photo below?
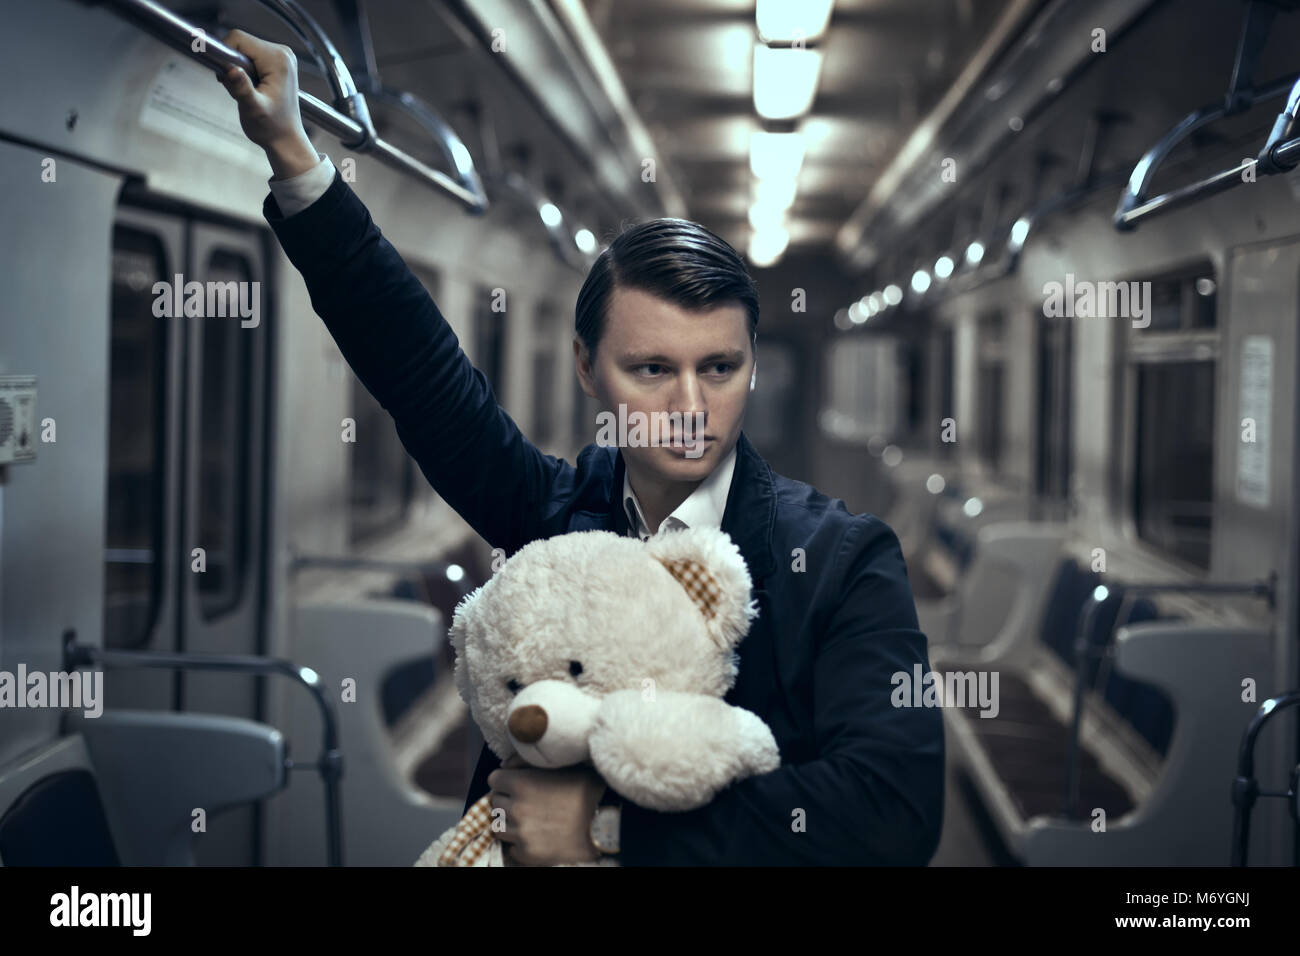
point(382, 482)
point(945, 389)
point(383, 476)
point(225, 390)
point(1055, 408)
point(1174, 456)
point(546, 326)
point(137, 423)
point(1182, 301)
point(1172, 349)
point(991, 390)
point(862, 397)
point(490, 339)
point(771, 416)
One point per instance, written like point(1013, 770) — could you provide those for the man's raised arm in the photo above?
point(388, 328)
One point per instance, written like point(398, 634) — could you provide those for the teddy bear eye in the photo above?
point(575, 668)
point(513, 686)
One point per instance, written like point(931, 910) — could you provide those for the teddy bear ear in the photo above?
point(709, 566)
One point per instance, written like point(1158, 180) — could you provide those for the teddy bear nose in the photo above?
point(527, 724)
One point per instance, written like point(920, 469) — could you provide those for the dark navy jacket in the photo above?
point(861, 781)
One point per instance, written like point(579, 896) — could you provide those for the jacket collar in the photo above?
point(750, 516)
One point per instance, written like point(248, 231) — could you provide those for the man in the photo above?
point(665, 324)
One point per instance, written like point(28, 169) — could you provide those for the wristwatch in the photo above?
point(605, 824)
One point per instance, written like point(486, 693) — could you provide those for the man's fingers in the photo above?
point(499, 782)
point(269, 59)
point(237, 83)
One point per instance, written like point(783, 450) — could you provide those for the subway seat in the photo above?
point(122, 788)
point(1158, 742)
point(386, 819)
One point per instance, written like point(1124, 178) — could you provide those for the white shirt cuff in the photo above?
point(296, 193)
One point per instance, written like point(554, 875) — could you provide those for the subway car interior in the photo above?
point(1029, 287)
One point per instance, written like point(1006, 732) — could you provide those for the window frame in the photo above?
point(1132, 349)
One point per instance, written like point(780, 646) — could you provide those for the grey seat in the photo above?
point(151, 769)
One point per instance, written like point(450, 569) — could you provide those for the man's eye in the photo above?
point(722, 368)
point(650, 369)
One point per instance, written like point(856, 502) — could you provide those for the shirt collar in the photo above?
point(703, 508)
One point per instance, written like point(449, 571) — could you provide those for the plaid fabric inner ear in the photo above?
point(473, 836)
point(700, 585)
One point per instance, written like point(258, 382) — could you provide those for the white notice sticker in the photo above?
point(187, 104)
point(1256, 407)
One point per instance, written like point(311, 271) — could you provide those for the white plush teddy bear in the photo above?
point(592, 647)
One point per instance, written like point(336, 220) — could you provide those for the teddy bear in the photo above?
point(590, 647)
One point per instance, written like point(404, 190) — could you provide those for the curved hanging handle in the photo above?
point(347, 98)
point(448, 141)
point(1134, 204)
point(180, 35)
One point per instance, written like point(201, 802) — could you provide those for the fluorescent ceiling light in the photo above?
point(893, 294)
point(785, 81)
point(920, 280)
point(764, 216)
point(943, 267)
point(767, 245)
point(775, 192)
point(585, 240)
point(783, 21)
point(975, 252)
point(775, 155)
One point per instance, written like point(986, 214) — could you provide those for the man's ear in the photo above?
point(582, 362)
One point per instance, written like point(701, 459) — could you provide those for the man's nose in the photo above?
point(689, 399)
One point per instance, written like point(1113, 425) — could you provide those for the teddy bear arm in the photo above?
point(674, 751)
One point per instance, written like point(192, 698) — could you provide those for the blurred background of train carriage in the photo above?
point(1081, 511)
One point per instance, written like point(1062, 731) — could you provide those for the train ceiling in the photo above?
point(688, 66)
point(580, 96)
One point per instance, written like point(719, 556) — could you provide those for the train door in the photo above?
point(188, 412)
point(142, 535)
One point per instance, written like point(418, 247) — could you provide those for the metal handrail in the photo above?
point(521, 188)
point(351, 562)
point(330, 762)
point(347, 97)
point(1278, 155)
point(353, 127)
point(448, 141)
point(1084, 651)
point(1245, 788)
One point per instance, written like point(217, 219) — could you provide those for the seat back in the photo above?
point(51, 812)
point(155, 768)
point(387, 820)
point(1146, 708)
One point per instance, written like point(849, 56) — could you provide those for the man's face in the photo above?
point(656, 357)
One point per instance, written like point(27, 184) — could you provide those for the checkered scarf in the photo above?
point(472, 837)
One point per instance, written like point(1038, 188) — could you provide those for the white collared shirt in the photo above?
point(296, 193)
point(703, 508)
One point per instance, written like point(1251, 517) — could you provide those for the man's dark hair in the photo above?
point(673, 259)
